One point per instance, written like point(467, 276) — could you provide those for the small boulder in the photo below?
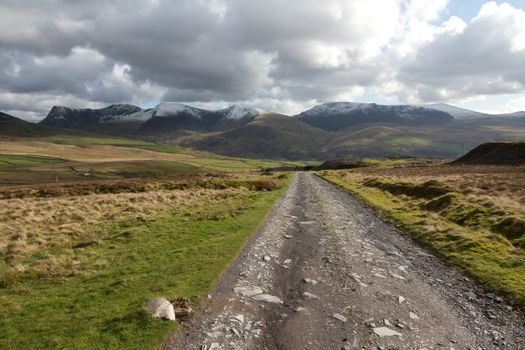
point(161, 308)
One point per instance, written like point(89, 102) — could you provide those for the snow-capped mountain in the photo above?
point(170, 109)
point(340, 115)
point(329, 130)
point(164, 118)
point(66, 117)
point(237, 112)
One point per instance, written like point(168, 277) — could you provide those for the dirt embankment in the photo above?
point(506, 153)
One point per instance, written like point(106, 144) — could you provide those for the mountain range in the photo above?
point(328, 130)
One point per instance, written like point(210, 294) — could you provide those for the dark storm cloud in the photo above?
point(60, 51)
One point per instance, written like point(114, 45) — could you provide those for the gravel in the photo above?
point(368, 272)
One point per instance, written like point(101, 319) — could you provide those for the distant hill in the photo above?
point(508, 153)
point(12, 126)
point(335, 116)
point(330, 130)
point(269, 135)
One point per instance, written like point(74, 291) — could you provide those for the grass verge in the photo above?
point(93, 295)
point(465, 234)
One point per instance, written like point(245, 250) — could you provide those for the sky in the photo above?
point(283, 56)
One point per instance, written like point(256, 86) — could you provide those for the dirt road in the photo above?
point(324, 268)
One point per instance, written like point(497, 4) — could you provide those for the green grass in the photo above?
point(400, 162)
point(235, 164)
point(9, 162)
point(159, 148)
point(146, 168)
point(101, 305)
point(34, 169)
point(95, 140)
point(460, 233)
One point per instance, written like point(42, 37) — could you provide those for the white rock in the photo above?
point(309, 295)
point(413, 316)
point(395, 275)
point(161, 308)
point(239, 318)
point(287, 236)
point(401, 299)
point(386, 332)
point(248, 291)
point(378, 275)
point(300, 309)
point(287, 261)
point(267, 258)
point(307, 222)
point(213, 346)
point(267, 298)
point(309, 280)
point(339, 317)
point(387, 323)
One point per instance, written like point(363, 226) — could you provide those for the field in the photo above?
point(68, 158)
point(472, 216)
point(80, 260)
point(92, 227)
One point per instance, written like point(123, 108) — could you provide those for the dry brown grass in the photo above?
point(504, 186)
point(29, 224)
point(83, 153)
point(39, 218)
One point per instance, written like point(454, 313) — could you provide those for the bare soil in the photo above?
point(363, 276)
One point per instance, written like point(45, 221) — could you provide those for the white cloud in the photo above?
point(478, 58)
point(278, 54)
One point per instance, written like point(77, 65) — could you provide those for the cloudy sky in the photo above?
point(279, 55)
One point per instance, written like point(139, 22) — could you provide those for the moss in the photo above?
point(440, 203)
point(429, 189)
point(512, 227)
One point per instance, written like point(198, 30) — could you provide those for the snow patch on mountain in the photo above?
point(60, 112)
point(237, 112)
point(454, 111)
point(167, 109)
point(330, 108)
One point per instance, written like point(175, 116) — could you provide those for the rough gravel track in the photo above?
point(362, 278)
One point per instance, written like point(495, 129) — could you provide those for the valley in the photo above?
point(95, 226)
point(64, 158)
point(262, 175)
point(329, 130)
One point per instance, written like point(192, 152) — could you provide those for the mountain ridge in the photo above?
point(329, 130)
